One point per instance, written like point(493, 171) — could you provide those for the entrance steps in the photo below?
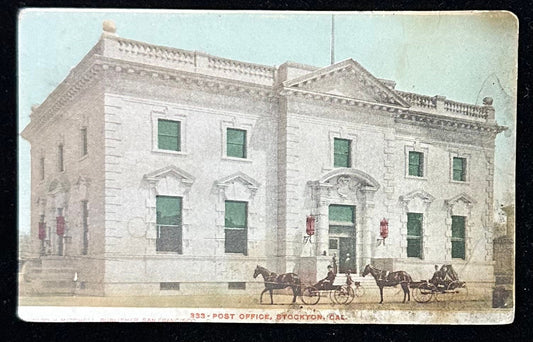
point(47, 276)
point(367, 282)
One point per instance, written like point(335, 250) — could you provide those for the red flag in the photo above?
point(310, 225)
point(384, 228)
point(42, 231)
point(60, 225)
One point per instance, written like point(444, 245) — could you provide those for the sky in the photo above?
point(464, 56)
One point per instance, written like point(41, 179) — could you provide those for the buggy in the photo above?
point(339, 294)
point(440, 287)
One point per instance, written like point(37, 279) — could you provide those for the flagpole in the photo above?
point(332, 39)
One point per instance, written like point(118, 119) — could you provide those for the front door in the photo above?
point(347, 254)
point(342, 236)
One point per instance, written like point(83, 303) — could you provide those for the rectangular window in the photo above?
point(458, 237)
point(235, 222)
point(459, 169)
point(342, 214)
point(41, 168)
point(60, 165)
point(84, 141)
point(85, 227)
point(168, 135)
point(414, 235)
point(237, 286)
point(168, 224)
point(169, 286)
point(341, 153)
point(416, 164)
point(236, 143)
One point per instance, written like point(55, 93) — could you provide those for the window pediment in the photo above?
point(172, 171)
point(421, 194)
point(58, 184)
point(417, 201)
point(349, 177)
point(463, 197)
point(346, 183)
point(241, 178)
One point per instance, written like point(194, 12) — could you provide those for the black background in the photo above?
point(13, 329)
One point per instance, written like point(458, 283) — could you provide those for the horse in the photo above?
point(274, 281)
point(390, 279)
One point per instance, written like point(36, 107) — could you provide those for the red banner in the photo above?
point(42, 231)
point(60, 225)
point(310, 225)
point(384, 228)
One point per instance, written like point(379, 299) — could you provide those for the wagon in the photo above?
point(425, 290)
point(338, 294)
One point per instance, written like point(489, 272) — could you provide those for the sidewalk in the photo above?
point(368, 302)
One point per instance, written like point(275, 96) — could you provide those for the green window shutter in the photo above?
point(168, 210)
point(341, 154)
point(458, 249)
point(235, 214)
point(236, 143)
point(414, 235)
point(236, 232)
point(414, 224)
point(458, 237)
point(413, 248)
point(459, 168)
point(341, 213)
point(458, 227)
point(168, 222)
point(168, 135)
point(416, 164)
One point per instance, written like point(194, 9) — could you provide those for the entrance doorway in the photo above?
point(342, 236)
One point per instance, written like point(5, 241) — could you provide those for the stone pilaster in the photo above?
point(367, 224)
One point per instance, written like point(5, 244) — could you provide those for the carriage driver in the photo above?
point(327, 282)
point(438, 276)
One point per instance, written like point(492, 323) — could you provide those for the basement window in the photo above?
point(237, 286)
point(169, 286)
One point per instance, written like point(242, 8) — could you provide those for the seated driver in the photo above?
point(437, 278)
point(326, 283)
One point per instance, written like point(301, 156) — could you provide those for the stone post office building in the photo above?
point(158, 170)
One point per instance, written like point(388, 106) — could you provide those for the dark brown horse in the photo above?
point(384, 278)
point(274, 281)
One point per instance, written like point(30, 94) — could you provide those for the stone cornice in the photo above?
point(203, 81)
point(78, 79)
point(202, 71)
point(340, 100)
point(94, 66)
point(400, 114)
point(448, 123)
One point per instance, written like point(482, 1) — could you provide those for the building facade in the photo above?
point(156, 170)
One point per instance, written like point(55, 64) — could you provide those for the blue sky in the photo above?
point(463, 56)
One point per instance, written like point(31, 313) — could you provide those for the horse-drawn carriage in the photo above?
point(338, 294)
point(445, 282)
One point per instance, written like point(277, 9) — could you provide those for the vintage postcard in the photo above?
point(267, 167)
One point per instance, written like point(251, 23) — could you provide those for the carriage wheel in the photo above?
point(422, 294)
point(458, 290)
point(310, 295)
point(341, 295)
point(351, 294)
point(359, 291)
